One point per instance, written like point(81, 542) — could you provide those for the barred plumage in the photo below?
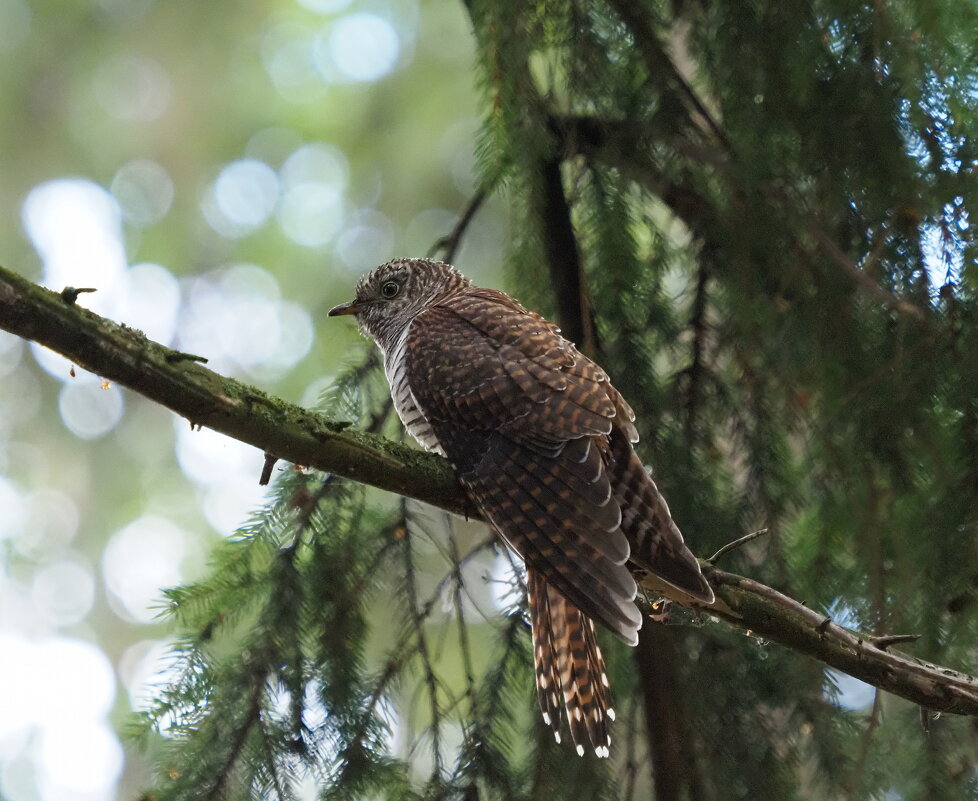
point(542, 443)
point(569, 666)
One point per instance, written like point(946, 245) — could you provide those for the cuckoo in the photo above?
point(542, 444)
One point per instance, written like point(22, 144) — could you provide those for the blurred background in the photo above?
point(221, 174)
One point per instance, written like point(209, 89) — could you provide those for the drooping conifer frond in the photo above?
point(764, 209)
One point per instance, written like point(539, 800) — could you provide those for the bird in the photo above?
point(543, 446)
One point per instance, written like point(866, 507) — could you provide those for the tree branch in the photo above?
point(624, 144)
point(665, 719)
point(205, 398)
point(564, 261)
point(449, 244)
point(276, 426)
point(662, 69)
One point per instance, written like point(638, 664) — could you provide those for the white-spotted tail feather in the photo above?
point(569, 666)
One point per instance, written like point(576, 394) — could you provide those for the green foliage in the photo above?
point(771, 203)
point(770, 208)
point(274, 639)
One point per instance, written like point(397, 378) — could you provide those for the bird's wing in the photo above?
point(526, 420)
point(520, 372)
point(656, 541)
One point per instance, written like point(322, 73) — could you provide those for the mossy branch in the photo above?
point(181, 383)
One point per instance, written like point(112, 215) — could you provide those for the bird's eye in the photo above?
point(390, 289)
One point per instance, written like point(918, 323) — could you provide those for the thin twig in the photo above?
point(270, 759)
point(661, 67)
point(737, 543)
point(862, 280)
point(70, 293)
point(884, 641)
point(237, 744)
point(405, 649)
point(418, 621)
point(449, 243)
point(463, 629)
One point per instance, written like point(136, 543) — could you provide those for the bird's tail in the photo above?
point(569, 665)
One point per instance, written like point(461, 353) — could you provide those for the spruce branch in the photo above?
point(274, 425)
point(418, 619)
point(861, 277)
point(458, 589)
point(450, 243)
point(564, 260)
point(662, 69)
point(623, 144)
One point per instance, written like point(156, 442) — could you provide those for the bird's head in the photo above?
point(392, 295)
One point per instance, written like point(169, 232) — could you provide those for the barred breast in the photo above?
point(404, 401)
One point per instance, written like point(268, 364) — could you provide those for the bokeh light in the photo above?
point(242, 197)
point(145, 667)
point(311, 214)
point(140, 561)
point(151, 298)
point(359, 47)
point(63, 591)
point(133, 88)
point(11, 352)
point(14, 509)
point(317, 162)
point(324, 6)
point(237, 318)
point(315, 178)
point(72, 773)
point(226, 469)
point(51, 522)
point(74, 681)
point(20, 400)
point(54, 727)
point(53, 363)
point(366, 241)
point(426, 227)
point(287, 53)
point(89, 408)
point(76, 228)
point(144, 191)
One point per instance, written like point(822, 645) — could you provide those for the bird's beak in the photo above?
point(345, 308)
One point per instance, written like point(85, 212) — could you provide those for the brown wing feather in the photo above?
point(547, 527)
point(542, 443)
point(656, 542)
point(527, 452)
